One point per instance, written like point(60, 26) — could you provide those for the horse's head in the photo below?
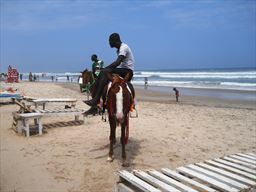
point(119, 97)
point(87, 77)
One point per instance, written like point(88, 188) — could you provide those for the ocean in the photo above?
point(237, 79)
point(232, 79)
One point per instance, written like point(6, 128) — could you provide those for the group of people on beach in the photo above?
point(32, 77)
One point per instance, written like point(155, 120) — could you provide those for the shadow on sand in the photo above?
point(132, 149)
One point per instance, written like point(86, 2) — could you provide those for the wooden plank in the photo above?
point(187, 180)
point(234, 170)
point(155, 182)
point(240, 162)
point(120, 187)
point(48, 111)
point(60, 111)
point(27, 98)
point(212, 182)
point(227, 174)
point(61, 100)
point(251, 171)
point(41, 110)
point(247, 156)
point(54, 100)
point(252, 154)
point(253, 162)
point(170, 181)
point(22, 105)
point(137, 181)
point(223, 179)
point(28, 115)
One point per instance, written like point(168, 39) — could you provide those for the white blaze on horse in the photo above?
point(119, 101)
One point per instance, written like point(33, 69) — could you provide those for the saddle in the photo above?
point(114, 79)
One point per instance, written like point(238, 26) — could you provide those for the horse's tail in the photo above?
point(126, 129)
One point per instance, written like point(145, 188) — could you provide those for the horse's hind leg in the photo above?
point(112, 138)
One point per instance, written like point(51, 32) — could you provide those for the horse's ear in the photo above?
point(109, 76)
point(127, 77)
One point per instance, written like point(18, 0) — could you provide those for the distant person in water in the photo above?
point(177, 94)
point(146, 83)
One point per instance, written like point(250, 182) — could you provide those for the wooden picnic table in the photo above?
point(26, 113)
point(43, 102)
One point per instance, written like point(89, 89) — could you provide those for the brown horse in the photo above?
point(88, 83)
point(119, 102)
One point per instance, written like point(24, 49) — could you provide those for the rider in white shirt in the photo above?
point(123, 65)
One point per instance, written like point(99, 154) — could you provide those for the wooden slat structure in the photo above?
point(59, 111)
point(233, 173)
point(43, 102)
point(71, 111)
point(50, 112)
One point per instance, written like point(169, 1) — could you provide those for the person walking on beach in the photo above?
point(177, 94)
point(123, 65)
point(30, 77)
point(97, 65)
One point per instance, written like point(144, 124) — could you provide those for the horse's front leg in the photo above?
point(123, 127)
point(112, 138)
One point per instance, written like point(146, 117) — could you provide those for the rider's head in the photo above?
point(94, 57)
point(114, 40)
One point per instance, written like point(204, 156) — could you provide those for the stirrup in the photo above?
point(132, 115)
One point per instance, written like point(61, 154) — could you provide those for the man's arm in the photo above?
point(118, 61)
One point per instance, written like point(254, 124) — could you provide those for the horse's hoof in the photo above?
point(110, 159)
point(125, 164)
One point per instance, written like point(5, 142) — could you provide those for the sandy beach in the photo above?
point(166, 134)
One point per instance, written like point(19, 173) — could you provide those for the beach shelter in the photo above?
point(12, 75)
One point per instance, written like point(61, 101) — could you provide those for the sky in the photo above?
point(61, 35)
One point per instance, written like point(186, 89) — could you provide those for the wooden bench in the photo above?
point(43, 102)
point(231, 173)
point(23, 122)
point(20, 118)
point(50, 112)
point(57, 111)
